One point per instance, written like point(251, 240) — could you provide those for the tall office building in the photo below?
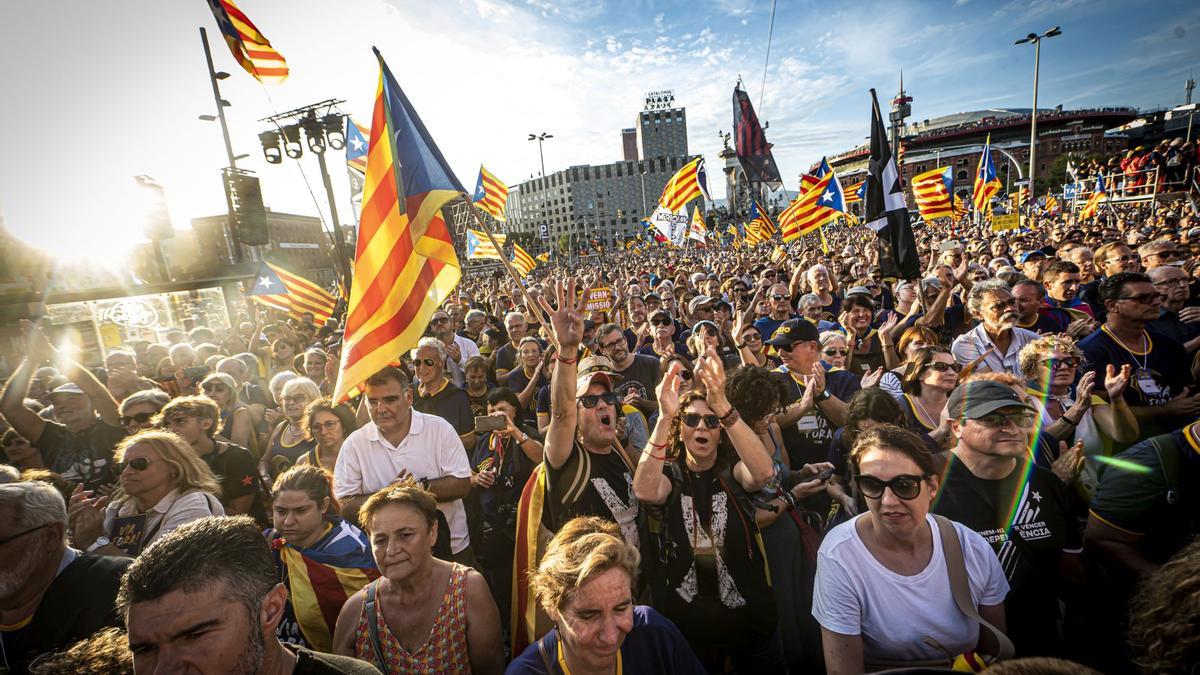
point(661, 127)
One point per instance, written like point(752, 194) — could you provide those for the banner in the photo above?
point(599, 300)
point(672, 226)
point(1006, 222)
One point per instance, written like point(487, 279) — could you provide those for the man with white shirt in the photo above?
point(458, 348)
point(997, 341)
point(399, 443)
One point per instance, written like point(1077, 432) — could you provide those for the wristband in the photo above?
point(740, 346)
point(657, 446)
point(1069, 421)
point(731, 418)
point(560, 359)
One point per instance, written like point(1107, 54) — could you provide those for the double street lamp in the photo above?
point(539, 138)
point(1036, 40)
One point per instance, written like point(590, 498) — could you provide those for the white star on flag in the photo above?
point(357, 143)
point(828, 196)
point(265, 282)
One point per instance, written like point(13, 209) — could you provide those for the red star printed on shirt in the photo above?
point(248, 481)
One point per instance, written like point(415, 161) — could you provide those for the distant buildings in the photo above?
point(295, 242)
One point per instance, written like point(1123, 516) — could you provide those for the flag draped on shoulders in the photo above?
point(405, 264)
point(491, 194)
point(932, 191)
point(987, 184)
point(280, 289)
point(248, 45)
point(884, 210)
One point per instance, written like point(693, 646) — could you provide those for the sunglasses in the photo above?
point(905, 487)
point(1144, 298)
point(756, 336)
point(137, 464)
point(1123, 258)
point(777, 297)
point(296, 398)
point(590, 401)
point(425, 362)
point(662, 321)
point(836, 352)
point(1055, 364)
point(140, 418)
point(998, 420)
point(942, 366)
point(685, 375)
point(1166, 255)
point(693, 420)
point(787, 348)
point(214, 387)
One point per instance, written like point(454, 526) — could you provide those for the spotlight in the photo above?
point(291, 141)
point(335, 132)
point(270, 146)
point(315, 134)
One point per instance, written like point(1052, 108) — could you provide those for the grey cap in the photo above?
point(982, 397)
point(68, 388)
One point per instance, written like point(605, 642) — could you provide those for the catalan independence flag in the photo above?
point(278, 288)
point(1050, 205)
point(250, 47)
point(405, 264)
point(479, 247)
point(932, 191)
point(687, 184)
point(356, 161)
point(696, 230)
point(761, 221)
point(491, 194)
point(986, 182)
point(853, 193)
point(523, 261)
point(321, 577)
point(1093, 202)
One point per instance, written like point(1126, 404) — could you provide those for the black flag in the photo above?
point(884, 210)
point(750, 142)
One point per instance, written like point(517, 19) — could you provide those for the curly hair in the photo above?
point(583, 549)
point(1163, 616)
point(1032, 353)
point(754, 392)
point(107, 651)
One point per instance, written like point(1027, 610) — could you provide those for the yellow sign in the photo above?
point(1007, 222)
point(599, 300)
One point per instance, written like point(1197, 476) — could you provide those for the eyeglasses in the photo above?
point(137, 464)
point(22, 534)
point(425, 362)
point(998, 420)
point(787, 348)
point(905, 486)
point(942, 366)
point(214, 387)
point(612, 344)
point(1172, 282)
point(836, 352)
point(590, 401)
point(777, 297)
point(685, 375)
point(753, 335)
point(662, 321)
point(331, 425)
point(1122, 258)
point(1144, 298)
point(693, 420)
point(1165, 255)
point(1055, 364)
point(140, 418)
point(296, 398)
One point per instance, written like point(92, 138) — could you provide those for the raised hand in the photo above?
point(1115, 382)
point(37, 345)
point(1069, 463)
point(872, 378)
point(566, 321)
point(844, 322)
point(711, 372)
point(889, 323)
point(668, 391)
point(1087, 383)
point(818, 378)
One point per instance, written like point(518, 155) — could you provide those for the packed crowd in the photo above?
point(690, 461)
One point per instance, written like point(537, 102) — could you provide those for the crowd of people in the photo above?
point(751, 460)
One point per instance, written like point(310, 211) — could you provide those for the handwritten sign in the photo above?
point(599, 300)
point(1007, 222)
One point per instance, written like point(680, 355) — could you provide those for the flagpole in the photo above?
point(512, 273)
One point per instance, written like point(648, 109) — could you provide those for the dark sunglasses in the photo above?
point(755, 335)
point(942, 366)
point(137, 464)
point(777, 297)
point(1144, 298)
point(440, 319)
point(1055, 364)
point(1166, 255)
point(662, 321)
point(23, 533)
point(425, 362)
point(685, 375)
point(140, 418)
point(787, 348)
point(693, 420)
point(836, 352)
point(590, 401)
point(905, 487)
point(998, 420)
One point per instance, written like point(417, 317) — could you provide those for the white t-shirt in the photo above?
point(856, 595)
point(432, 449)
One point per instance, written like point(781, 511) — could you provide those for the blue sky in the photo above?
point(99, 92)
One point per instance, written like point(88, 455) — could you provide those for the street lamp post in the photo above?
point(642, 176)
point(1037, 53)
point(539, 138)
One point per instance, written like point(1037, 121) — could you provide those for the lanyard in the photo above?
point(1145, 362)
point(562, 659)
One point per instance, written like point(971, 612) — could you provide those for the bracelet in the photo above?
point(567, 361)
point(1069, 421)
point(729, 419)
point(886, 345)
point(732, 411)
point(657, 446)
point(740, 346)
point(789, 500)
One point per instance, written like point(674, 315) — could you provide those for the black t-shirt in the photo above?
point(1166, 364)
point(1049, 320)
point(1027, 519)
point(1169, 324)
point(498, 503)
point(82, 457)
point(238, 473)
point(592, 484)
point(450, 404)
point(706, 572)
point(641, 376)
point(479, 403)
point(807, 440)
point(505, 357)
point(868, 354)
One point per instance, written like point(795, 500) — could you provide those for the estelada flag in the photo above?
point(249, 46)
point(932, 191)
point(491, 194)
point(405, 265)
point(280, 289)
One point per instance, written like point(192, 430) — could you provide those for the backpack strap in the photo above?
point(956, 569)
point(1168, 464)
point(373, 626)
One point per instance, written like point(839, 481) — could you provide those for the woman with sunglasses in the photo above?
point(289, 441)
point(706, 570)
point(163, 484)
point(833, 349)
point(929, 377)
point(236, 424)
point(882, 587)
point(705, 336)
point(139, 408)
point(328, 425)
point(283, 355)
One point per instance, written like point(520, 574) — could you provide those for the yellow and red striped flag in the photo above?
point(932, 191)
point(759, 218)
point(687, 184)
point(249, 46)
point(1051, 205)
point(852, 193)
point(522, 260)
point(479, 247)
point(405, 265)
point(697, 231)
point(1093, 202)
point(278, 288)
point(986, 182)
point(804, 214)
point(491, 194)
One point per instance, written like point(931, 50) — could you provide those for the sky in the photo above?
point(97, 92)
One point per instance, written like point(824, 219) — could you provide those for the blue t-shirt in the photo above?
point(654, 645)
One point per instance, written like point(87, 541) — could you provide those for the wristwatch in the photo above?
point(824, 395)
point(524, 439)
point(100, 543)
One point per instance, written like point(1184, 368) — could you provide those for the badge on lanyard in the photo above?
point(1146, 383)
point(807, 423)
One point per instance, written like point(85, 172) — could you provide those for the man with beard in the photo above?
point(639, 373)
point(206, 598)
point(995, 344)
point(50, 595)
point(639, 331)
point(506, 356)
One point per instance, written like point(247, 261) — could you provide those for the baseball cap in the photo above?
point(792, 331)
point(697, 302)
point(595, 368)
point(1029, 255)
point(982, 397)
point(858, 290)
point(68, 388)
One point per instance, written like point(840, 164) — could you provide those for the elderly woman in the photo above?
point(328, 425)
point(928, 380)
point(833, 349)
point(139, 408)
point(709, 574)
point(290, 441)
point(586, 583)
point(882, 593)
point(528, 374)
point(1069, 410)
point(308, 535)
point(314, 367)
point(423, 614)
point(164, 484)
point(236, 424)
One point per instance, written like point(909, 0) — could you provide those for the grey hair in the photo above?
point(36, 503)
point(979, 290)
point(9, 474)
point(830, 335)
point(432, 343)
point(475, 314)
point(181, 348)
point(808, 299)
point(234, 361)
point(155, 397)
point(302, 384)
point(279, 381)
point(512, 315)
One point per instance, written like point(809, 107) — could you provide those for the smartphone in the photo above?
point(825, 475)
point(485, 423)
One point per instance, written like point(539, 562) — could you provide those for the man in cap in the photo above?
point(79, 445)
point(587, 472)
point(1033, 264)
point(700, 308)
point(815, 404)
point(1024, 512)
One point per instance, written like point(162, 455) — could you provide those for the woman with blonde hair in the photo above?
point(163, 484)
point(586, 583)
point(289, 441)
point(235, 424)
